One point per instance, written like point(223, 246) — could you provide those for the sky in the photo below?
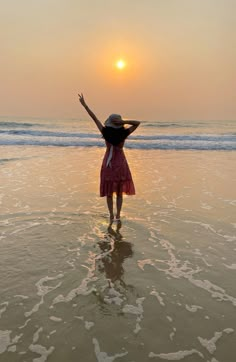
point(180, 58)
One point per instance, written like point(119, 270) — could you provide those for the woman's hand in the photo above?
point(92, 115)
point(81, 99)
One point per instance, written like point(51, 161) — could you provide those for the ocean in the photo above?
point(182, 135)
point(159, 286)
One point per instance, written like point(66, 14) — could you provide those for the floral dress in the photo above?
point(115, 173)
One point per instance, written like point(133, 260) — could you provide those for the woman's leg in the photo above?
point(119, 201)
point(110, 206)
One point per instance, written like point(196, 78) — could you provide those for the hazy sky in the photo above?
point(180, 57)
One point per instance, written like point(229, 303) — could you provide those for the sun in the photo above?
point(120, 64)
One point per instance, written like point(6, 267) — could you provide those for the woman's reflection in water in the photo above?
point(114, 252)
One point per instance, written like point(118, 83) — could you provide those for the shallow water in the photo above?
point(161, 286)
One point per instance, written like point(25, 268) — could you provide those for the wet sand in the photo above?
point(160, 286)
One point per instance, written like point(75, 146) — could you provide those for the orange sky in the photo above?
point(180, 56)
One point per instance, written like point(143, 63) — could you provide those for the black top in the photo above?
point(115, 135)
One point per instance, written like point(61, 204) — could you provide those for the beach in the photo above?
point(160, 286)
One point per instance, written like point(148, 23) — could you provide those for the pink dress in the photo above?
point(115, 173)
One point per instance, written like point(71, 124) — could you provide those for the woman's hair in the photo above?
point(115, 135)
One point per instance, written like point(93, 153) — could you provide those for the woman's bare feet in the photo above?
point(111, 218)
point(118, 226)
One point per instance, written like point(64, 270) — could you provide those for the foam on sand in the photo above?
point(5, 340)
point(137, 310)
point(176, 356)
point(103, 356)
point(43, 290)
point(42, 351)
point(210, 344)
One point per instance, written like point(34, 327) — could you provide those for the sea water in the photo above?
point(159, 286)
point(182, 135)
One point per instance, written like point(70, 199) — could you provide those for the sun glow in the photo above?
point(120, 64)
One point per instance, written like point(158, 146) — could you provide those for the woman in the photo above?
point(115, 172)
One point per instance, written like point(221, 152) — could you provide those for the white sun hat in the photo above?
point(109, 121)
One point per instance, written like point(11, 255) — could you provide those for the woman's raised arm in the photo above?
point(92, 115)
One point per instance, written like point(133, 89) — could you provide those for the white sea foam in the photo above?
point(210, 228)
point(21, 296)
point(5, 340)
point(158, 296)
point(175, 356)
point(210, 344)
point(25, 324)
point(30, 225)
point(142, 263)
point(204, 260)
point(52, 332)
point(42, 291)
point(137, 310)
point(114, 297)
point(12, 348)
point(206, 206)
point(232, 266)
point(229, 238)
point(6, 343)
point(17, 338)
point(103, 356)
point(55, 319)
point(215, 291)
point(132, 309)
point(36, 335)
point(71, 263)
point(82, 289)
point(88, 325)
point(193, 308)
point(197, 252)
point(206, 226)
point(3, 308)
point(42, 351)
point(176, 270)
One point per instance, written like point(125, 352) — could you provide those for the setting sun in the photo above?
point(120, 64)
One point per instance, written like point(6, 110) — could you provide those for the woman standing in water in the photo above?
point(115, 173)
